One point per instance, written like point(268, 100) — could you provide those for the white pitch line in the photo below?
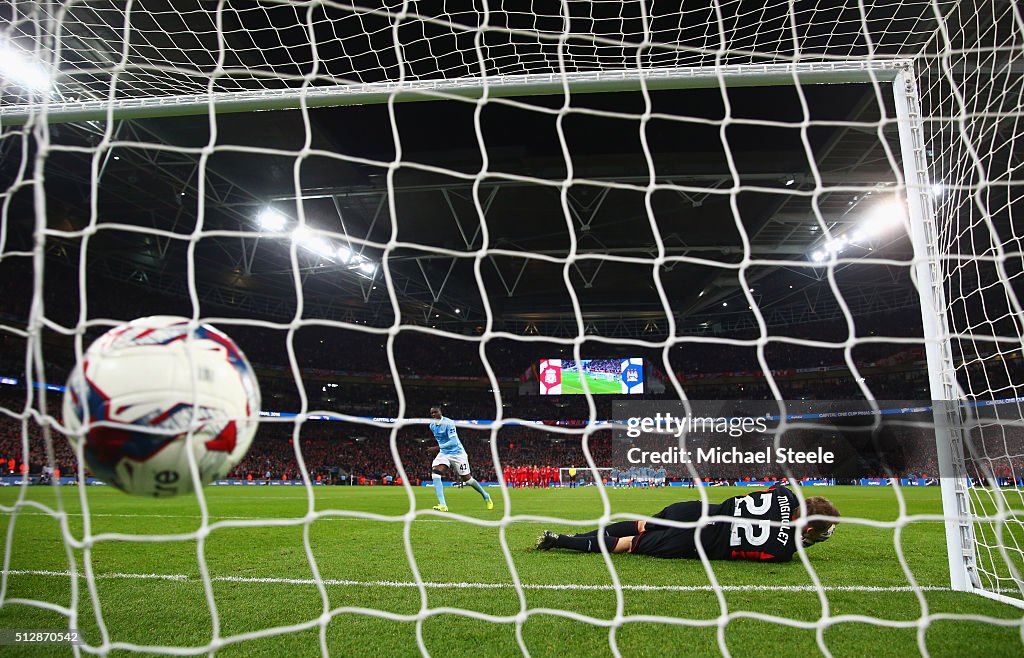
point(432, 585)
point(216, 517)
point(425, 517)
point(98, 576)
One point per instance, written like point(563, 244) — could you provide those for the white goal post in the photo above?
point(947, 116)
point(924, 233)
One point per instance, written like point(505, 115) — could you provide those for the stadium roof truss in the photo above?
point(160, 77)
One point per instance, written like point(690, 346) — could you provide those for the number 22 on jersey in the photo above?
point(755, 533)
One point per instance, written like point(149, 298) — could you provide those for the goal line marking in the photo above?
point(464, 585)
point(214, 518)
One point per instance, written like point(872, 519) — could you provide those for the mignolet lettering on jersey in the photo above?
point(446, 436)
point(751, 535)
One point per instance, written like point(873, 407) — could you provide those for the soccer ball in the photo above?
point(148, 392)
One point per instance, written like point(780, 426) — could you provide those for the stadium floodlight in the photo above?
point(19, 69)
point(305, 238)
point(321, 247)
point(833, 247)
point(344, 254)
point(368, 268)
point(271, 220)
point(837, 245)
point(883, 217)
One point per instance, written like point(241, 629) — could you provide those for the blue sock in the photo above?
point(476, 485)
point(439, 489)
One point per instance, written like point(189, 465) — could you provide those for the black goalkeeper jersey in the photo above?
point(751, 536)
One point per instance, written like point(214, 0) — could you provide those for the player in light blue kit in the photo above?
point(451, 456)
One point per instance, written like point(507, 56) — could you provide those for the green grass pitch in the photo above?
point(152, 593)
point(571, 384)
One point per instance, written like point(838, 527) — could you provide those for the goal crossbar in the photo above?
point(497, 86)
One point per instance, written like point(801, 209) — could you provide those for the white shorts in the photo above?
point(457, 463)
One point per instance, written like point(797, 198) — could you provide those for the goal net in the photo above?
point(975, 266)
point(394, 206)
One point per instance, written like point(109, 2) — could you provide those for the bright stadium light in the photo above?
point(271, 220)
point(836, 245)
point(308, 240)
point(368, 268)
point(344, 254)
point(321, 247)
point(883, 217)
point(17, 67)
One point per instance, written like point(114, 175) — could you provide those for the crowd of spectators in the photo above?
point(325, 368)
point(345, 452)
point(17, 428)
point(340, 451)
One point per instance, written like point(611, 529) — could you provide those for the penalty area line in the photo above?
point(465, 585)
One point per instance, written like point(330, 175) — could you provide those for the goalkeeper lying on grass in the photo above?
point(751, 536)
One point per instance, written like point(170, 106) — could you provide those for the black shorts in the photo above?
point(669, 542)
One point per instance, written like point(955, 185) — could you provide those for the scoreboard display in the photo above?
point(622, 376)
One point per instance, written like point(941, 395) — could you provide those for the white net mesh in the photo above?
point(170, 51)
point(971, 88)
point(160, 57)
point(732, 235)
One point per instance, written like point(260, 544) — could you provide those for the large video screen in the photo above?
point(623, 376)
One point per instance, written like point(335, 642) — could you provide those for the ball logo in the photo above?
point(167, 477)
point(165, 483)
